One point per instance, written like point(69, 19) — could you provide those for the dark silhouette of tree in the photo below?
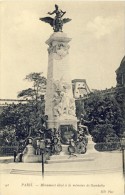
point(106, 118)
point(27, 118)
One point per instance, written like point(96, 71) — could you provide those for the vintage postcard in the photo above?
point(62, 97)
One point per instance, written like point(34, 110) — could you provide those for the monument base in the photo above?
point(65, 157)
point(55, 123)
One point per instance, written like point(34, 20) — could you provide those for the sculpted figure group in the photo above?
point(56, 22)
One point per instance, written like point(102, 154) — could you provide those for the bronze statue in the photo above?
point(57, 22)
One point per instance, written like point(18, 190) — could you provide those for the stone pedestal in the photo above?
point(29, 155)
point(59, 101)
point(90, 146)
point(64, 156)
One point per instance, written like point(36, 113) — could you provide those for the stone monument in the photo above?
point(59, 101)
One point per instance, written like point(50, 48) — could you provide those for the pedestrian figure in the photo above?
point(37, 147)
point(20, 157)
point(15, 155)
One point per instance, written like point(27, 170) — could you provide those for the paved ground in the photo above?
point(105, 170)
point(102, 163)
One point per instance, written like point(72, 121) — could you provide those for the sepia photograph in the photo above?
point(62, 97)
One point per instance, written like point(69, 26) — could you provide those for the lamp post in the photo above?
point(42, 148)
point(123, 155)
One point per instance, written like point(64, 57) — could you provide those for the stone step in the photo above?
point(69, 159)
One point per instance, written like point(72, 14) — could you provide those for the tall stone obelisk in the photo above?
point(59, 102)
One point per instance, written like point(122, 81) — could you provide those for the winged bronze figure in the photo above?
point(57, 22)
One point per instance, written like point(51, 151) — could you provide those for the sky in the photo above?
point(97, 47)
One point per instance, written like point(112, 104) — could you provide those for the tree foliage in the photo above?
point(25, 119)
point(120, 97)
point(38, 85)
point(106, 117)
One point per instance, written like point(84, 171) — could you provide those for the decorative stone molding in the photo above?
point(60, 49)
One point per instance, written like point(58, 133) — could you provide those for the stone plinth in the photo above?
point(59, 101)
point(29, 155)
point(90, 146)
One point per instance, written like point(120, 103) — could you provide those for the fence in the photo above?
point(8, 150)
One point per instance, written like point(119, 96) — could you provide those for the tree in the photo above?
point(35, 96)
point(38, 85)
point(120, 97)
point(26, 119)
point(106, 117)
